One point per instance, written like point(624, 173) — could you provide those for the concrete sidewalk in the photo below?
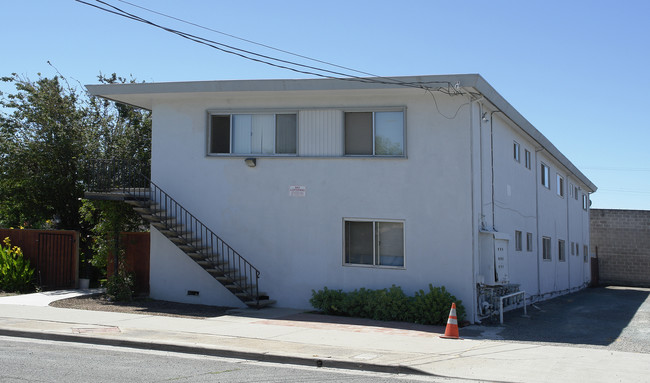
point(289, 336)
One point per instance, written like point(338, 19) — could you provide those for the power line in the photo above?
point(247, 40)
point(265, 59)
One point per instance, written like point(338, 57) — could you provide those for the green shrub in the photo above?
point(119, 287)
point(433, 306)
point(391, 304)
point(328, 301)
point(15, 271)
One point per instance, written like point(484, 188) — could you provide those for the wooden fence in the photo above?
point(136, 256)
point(53, 253)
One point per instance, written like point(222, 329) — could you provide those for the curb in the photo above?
point(257, 356)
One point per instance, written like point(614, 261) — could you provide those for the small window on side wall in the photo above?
point(518, 240)
point(546, 248)
point(516, 149)
point(545, 175)
point(529, 241)
point(374, 243)
point(374, 133)
point(527, 159)
point(560, 186)
point(561, 250)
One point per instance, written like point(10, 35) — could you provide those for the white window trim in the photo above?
point(527, 159)
point(547, 185)
point(559, 188)
point(373, 266)
point(516, 151)
point(529, 242)
point(550, 249)
point(374, 110)
point(518, 240)
point(561, 250)
point(231, 113)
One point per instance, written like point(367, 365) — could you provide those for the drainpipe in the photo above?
point(568, 232)
point(539, 285)
point(492, 162)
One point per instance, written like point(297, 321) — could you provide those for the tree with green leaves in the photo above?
point(48, 132)
point(40, 144)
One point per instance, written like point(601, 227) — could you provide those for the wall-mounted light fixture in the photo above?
point(485, 119)
point(251, 162)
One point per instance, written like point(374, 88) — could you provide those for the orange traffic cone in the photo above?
point(451, 332)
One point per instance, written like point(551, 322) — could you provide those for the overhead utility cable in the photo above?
point(272, 61)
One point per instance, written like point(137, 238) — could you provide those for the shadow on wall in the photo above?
point(594, 316)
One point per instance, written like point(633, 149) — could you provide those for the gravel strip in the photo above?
point(144, 306)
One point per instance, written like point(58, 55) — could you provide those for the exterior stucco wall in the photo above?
point(522, 203)
point(297, 242)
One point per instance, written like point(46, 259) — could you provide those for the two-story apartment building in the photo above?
point(350, 184)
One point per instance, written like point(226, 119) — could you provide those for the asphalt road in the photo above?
point(27, 360)
point(615, 318)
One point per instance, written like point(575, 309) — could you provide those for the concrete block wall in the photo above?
point(622, 240)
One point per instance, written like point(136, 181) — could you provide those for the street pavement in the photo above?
point(292, 336)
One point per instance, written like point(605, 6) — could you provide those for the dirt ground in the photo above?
point(145, 306)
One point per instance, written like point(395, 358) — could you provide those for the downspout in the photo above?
point(492, 162)
point(568, 232)
point(539, 236)
point(473, 213)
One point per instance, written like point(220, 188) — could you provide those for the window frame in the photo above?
point(585, 253)
point(585, 201)
point(561, 250)
point(231, 113)
point(547, 253)
point(373, 112)
point(529, 242)
point(545, 175)
point(527, 159)
point(516, 151)
point(374, 245)
point(518, 240)
point(560, 185)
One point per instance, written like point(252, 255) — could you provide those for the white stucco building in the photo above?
point(405, 181)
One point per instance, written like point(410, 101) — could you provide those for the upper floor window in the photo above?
point(529, 241)
point(585, 201)
point(575, 192)
point(374, 133)
point(561, 251)
point(545, 176)
point(560, 186)
point(527, 158)
point(516, 150)
point(253, 133)
point(518, 238)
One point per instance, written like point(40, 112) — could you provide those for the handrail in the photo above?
point(116, 176)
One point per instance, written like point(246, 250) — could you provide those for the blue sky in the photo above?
point(577, 70)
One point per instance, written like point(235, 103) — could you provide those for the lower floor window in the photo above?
point(374, 243)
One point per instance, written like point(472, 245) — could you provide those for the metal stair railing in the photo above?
point(117, 177)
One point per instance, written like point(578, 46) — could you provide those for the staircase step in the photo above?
point(181, 240)
point(221, 272)
point(262, 303)
point(191, 249)
point(141, 203)
point(243, 287)
point(227, 279)
point(148, 210)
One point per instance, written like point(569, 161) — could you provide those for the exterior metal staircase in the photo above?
point(116, 180)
